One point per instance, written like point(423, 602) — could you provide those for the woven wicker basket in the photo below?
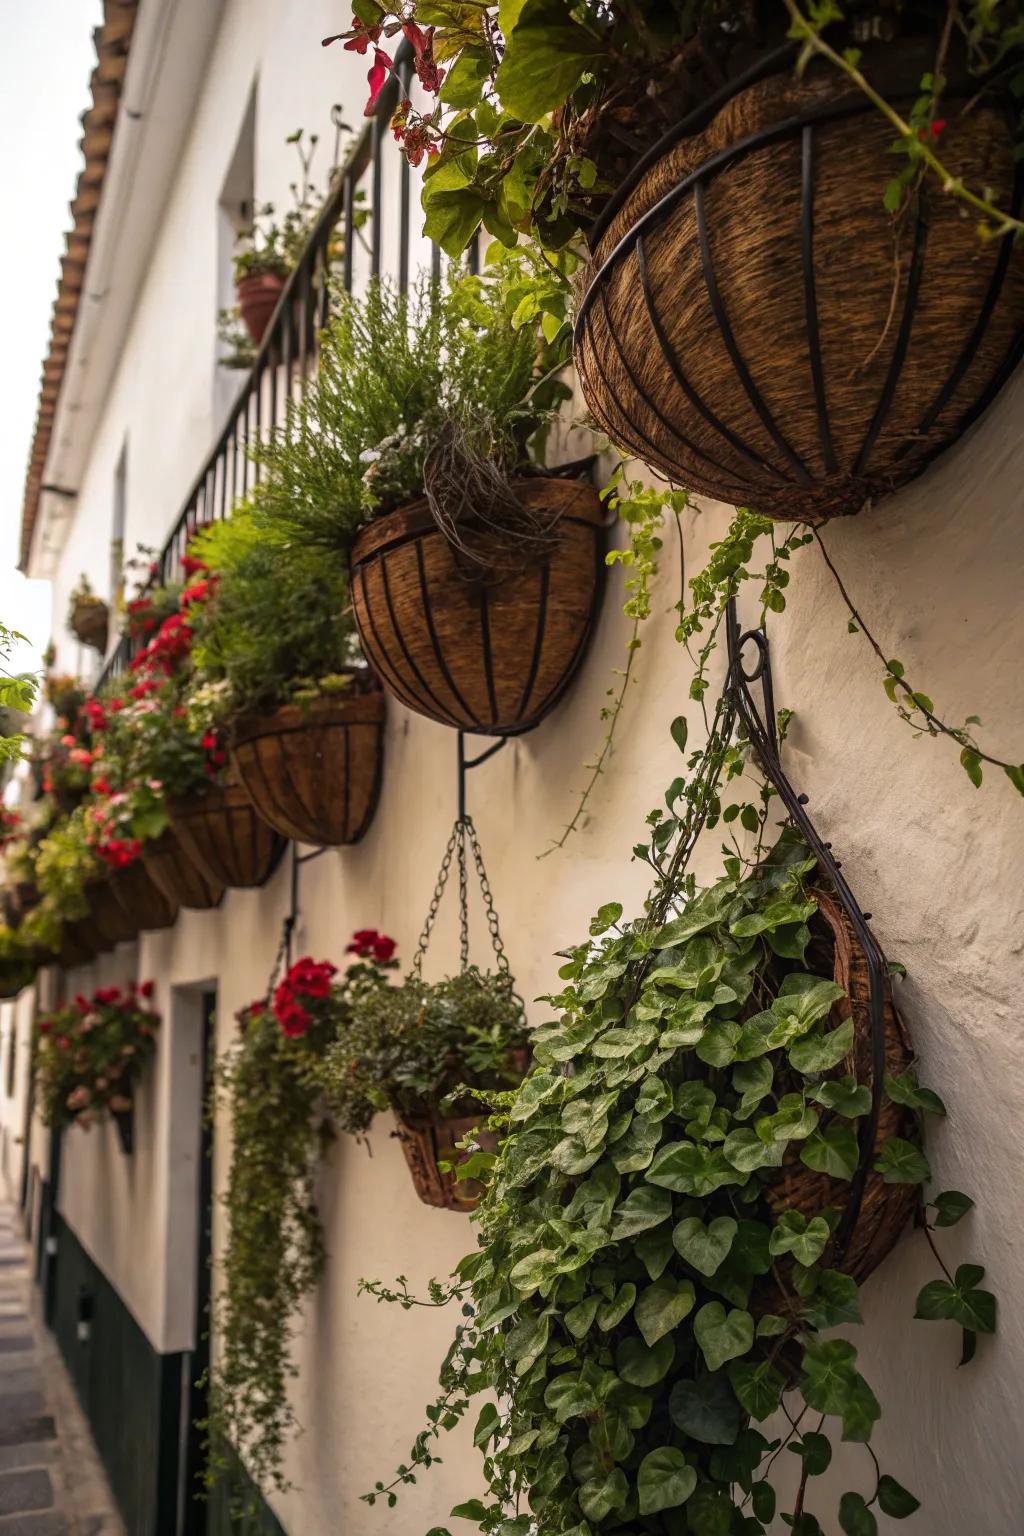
point(222, 834)
point(313, 774)
point(90, 622)
point(141, 899)
point(178, 875)
point(107, 918)
point(79, 944)
point(885, 1209)
point(426, 1139)
point(489, 659)
point(766, 334)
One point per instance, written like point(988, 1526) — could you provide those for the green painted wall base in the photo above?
point(130, 1393)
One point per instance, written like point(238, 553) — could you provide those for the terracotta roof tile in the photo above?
point(112, 40)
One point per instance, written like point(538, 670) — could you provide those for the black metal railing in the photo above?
point(349, 233)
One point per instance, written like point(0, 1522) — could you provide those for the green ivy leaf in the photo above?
point(855, 1517)
point(757, 1387)
point(815, 1451)
point(600, 1496)
point(905, 1089)
point(844, 1096)
point(579, 1319)
point(710, 1512)
point(654, 1250)
point(832, 1150)
point(746, 1151)
point(970, 762)
point(606, 917)
point(763, 1501)
point(806, 1241)
point(836, 1300)
point(722, 1336)
point(820, 1053)
point(665, 1480)
point(691, 1170)
point(704, 1247)
point(533, 1271)
point(900, 1162)
point(612, 1312)
point(895, 1500)
point(662, 1307)
point(643, 1208)
point(680, 731)
point(641, 1366)
point(706, 1409)
point(960, 1302)
point(717, 1047)
point(951, 1206)
point(1015, 774)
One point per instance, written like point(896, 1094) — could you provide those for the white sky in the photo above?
point(46, 59)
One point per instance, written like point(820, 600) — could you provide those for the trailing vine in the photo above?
point(657, 1270)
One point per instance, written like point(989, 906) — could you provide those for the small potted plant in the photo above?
point(307, 735)
point(88, 616)
point(417, 454)
point(424, 1051)
point(90, 1054)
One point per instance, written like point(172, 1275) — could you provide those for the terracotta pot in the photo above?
point(90, 622)
point(425, 1140)
point(107, 917)
point(178, 876)
point(742, 333)
point(141, 899)
point(223, 835)
point(258, 294)
point(493, 659)
point(313, 772)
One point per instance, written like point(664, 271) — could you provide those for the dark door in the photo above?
point(192, 1504)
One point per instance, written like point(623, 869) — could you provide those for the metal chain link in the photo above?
point(435, 902)
point(463, 833)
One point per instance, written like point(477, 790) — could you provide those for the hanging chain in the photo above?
point(464, 833)
point(435, 902)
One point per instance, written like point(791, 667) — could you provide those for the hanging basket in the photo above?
point(107, 918)
point(90, 621)
point(79, 944)
point(258, 294)
point(759, 328)
point(493, 659)
point(426, 1141)
point(177, 874)
point(141, 899)
point(313, 772)
point(222, 834)
point(885, 1209)
point(15, 975)
point(124, 1120)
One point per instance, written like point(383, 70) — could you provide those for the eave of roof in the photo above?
point(113, 42)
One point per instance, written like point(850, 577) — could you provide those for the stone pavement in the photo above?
point(51, 1481)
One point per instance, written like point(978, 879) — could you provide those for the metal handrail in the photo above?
point(289, 347)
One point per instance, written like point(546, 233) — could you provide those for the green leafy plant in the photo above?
point(90, 1053)
point(271, 1084)
point(277, 628)
point(426, 1049)
point(645, 1293)
point(65, 864)
point(398, 376)
point(540, 109)
point(17, 696)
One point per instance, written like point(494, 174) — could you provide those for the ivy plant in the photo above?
point(644, 1307)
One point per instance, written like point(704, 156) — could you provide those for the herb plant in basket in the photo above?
point(90, 1053)
point(833, 357)
point(274, 1256)
point(307, 714)
point(426, 1051)
point(416, 455)
point(693, 1181)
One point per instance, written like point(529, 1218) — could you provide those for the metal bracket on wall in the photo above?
point(466, 764)
point(761, 729)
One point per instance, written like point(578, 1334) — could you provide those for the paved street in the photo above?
point(51, 1483)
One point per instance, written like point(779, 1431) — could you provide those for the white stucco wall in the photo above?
point(938, 572)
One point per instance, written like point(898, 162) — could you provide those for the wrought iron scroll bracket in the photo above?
point(467, 764)
point(761, 729)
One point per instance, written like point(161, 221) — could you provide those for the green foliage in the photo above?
point(278, 623)
point(65, 863)
point(423, 1048)
point(640, 1297)
point(396, 373)
point(17, 694)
